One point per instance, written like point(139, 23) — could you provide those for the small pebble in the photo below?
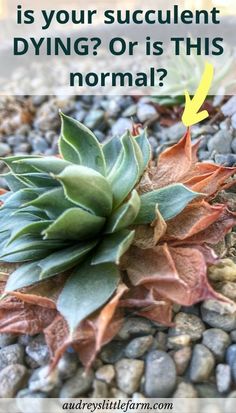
point(6, 339)
point(220, 142)
point(160, 375)
point(180, 341)
point(218, 314)
point(223, 378)
point(182, 358)
point(38, 350)
point(217, 341)
point(100, 389)
point(13, 354)
point(138, 347)
point(202, 364)
point(128, 374)
point(135, 326)
point(106, 373)
point(188, 324)
point(12, 379)
point(78, 385)
point(145, 112)
point(185, 390)
point(42, 380)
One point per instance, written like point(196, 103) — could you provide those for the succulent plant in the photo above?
point(102, 227)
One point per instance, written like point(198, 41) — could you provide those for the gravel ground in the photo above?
point(197, 357)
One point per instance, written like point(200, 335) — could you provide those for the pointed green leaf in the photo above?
point(171, 200)
point(111, 150)
point(86, 291)
point(125, 215)
point(38, 180)
point(17, 168)
point(124, 177)
point(14, 182)
point(68, 152)
point(87, 188)
point(49, 164)
point(75, 224)
point(145, 147)
point(17, 199)
point(112, 247)
point(53, 202)
point(24, 276)
point(30, 228)
point(84, 142)
point(59, 262)
point(30, 243)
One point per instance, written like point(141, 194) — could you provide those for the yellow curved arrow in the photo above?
point(191, 113)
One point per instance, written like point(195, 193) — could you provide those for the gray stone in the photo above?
point(219, 314)
point(12, 379)
point(100, 389)
point(106, 373)
point(231, 355)
point(138, 347)
point(217, 341)
point(121, 126)
point(229, 108)
point(38, 350)
point(6, 339)
point(182, 358)
point(185, 390)
point(175, 132)
point(188, 324)
point(228, 289)
point(202, 364)
point(78, 385)
point(67, 365)
point(220, 142)
point(39, 145)
point(94, 119)
point(226, 160)
point(135, 326)
point(13, 354)
point(4, 149)
point(160, 374)
point(177, 342)
point(44, 380)
point(233, 336)
point(223, 378)
point(112, 352)
point(160, 342)
point(145, 112)
point(128, 374)
point(26, 393)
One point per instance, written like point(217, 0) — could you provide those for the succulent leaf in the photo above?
point(125, 215)
point(58, 262)
point(145, 147)
point(75, 224)
point(84, 143)
point(53, 202)
point(170, 201)
point(49, 164)
point(112, 247)
point(125, 175)
point(87, 188)
point(87, 289)
point(111, 150)
point(24, 276)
